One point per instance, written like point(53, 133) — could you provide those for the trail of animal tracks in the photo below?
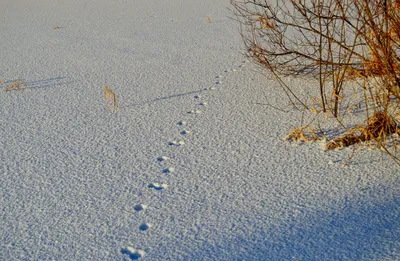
point(191, 166)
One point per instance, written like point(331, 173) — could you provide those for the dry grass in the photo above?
point(208, 19)
point(16, 85)
point(111, 99)
point(302, 134)
point(378, 128)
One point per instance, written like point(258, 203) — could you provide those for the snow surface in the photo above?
point(152, 181)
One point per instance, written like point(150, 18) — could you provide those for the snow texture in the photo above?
point(152, 181)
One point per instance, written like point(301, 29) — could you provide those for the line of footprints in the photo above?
point(135, 254)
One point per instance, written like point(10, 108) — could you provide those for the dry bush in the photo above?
point(335, 42)
point(111, 99)
point(16, 85)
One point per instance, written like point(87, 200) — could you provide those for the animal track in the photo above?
point(176, 143)
point(144, 226)
point(169, 170)
point(194, 112)
point(185, 132)
point(134, 254)
point(230, 70)
point(140, 207)
point(158, 186)
point(163, 158)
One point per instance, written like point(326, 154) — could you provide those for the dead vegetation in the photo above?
point(335, 42)
point(378, 128)
point(302, 134)
point(16, 85)
point(111, 99)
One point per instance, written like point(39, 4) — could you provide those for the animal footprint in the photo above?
point(194, 112)
point(176, 143)
point(185, 132)
point(144, 226)
point(140, 207)
point(169, 170)
point(134, 254)
point(158, 186)
point(163, 158)
point(182, 123)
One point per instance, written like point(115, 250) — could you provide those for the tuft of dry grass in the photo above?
point(208, 19)
point(302, 134)
point(377, 128)
point(111, 99)
point(16, 85)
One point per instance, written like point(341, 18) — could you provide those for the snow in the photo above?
point(79, 182)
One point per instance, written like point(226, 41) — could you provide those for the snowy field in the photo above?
point(191, 167)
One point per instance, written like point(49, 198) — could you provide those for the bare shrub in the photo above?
point(333, 41)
